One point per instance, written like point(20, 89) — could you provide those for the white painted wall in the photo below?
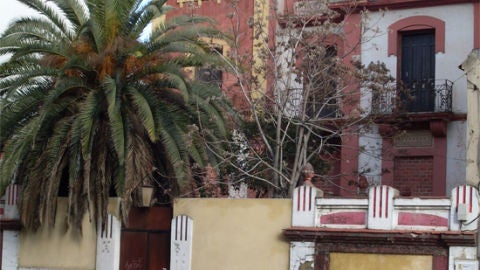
point(10, 250)
point(458, 44)
point(456, 154)
point(370, 155)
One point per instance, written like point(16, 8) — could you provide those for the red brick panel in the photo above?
point(413, 176)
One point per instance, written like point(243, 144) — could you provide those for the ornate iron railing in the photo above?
point(416, 97)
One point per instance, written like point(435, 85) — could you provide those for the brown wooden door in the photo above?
point(145, 242)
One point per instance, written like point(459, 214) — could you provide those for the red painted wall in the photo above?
point(231, 20)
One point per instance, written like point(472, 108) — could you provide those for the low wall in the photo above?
point(59, 248)
point(238, 234)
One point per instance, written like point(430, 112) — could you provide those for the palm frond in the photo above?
point(51, 13)
point(145, 113)
point(84, 101)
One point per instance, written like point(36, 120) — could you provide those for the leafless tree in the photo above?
point(301, 87)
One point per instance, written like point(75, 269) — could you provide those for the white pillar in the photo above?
point(463, 258)
point(302, 255)
point(10, 250)
point(108, 244)
point(464, 208)
point(303, 205)
point(10, 241)
point(380, 207)
point(11, 203)
point(471, 66)
point(181, 243)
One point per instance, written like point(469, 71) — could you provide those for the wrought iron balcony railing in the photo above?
point(417, 97)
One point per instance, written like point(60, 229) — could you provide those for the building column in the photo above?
point(181, 243)
point(108, 244)
point(10, 228)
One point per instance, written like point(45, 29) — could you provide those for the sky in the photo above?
point(9, 10)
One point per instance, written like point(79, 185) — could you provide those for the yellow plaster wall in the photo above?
point(260, 61)
point(58, 248)
point(355, 261)
point(238, 234)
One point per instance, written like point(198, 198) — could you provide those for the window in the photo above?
point(417, 71)
point(211, 74)
point(320, 88)
point(415, 41)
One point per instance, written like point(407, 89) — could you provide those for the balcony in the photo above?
point(433, 96)
point(302, 8)
point(307, 7)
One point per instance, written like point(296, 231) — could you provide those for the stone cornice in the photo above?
point(370, 237)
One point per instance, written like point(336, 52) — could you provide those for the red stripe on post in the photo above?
point(181, 228)
point(386, 204)
point(381, 201)
point(471, 198)
point(111, 226)
point(457, 199)
point(310, 201)
point(9, 195)
point(186, 228)
point(304, 195)
point(176, 228)
point(298, 199)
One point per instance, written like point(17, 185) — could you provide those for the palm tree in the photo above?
point(85, 102)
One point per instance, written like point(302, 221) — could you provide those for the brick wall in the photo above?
point(413, 176)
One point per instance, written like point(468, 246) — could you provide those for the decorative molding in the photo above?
point(419, 219)
point(416, 23)
point(368, 237)
point(416, 214)
point(199, 2)
point(414, 138)
point(438, 128)
point(344, 218)
point(394, 225)
point(12, 225)
point(342, 213)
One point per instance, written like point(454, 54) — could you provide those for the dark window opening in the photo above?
point(321, 83)
point(211, 74)
point(417, 71)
